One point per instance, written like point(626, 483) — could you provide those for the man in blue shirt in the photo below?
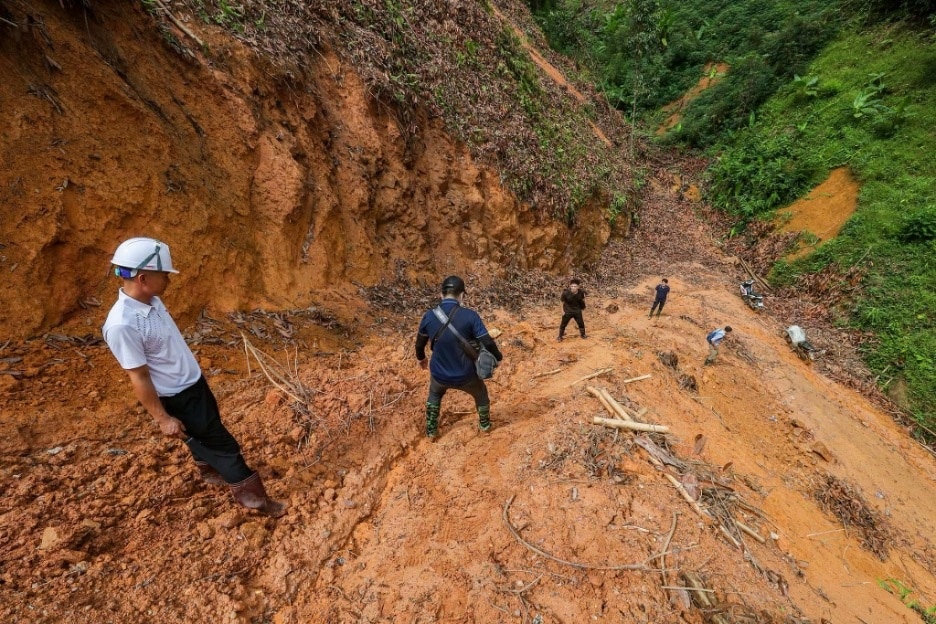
point(714, 339)
point(662, 290)
point(450, 367)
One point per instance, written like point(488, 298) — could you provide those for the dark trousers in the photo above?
point(658, 302)
point(197, 408)
point(568, 316)
point(475, 388)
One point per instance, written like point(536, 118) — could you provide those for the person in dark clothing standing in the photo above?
point(662, 290)
point(450, 367)
point(573, 302)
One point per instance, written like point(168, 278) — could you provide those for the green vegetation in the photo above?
point(765, 42)
point(869, 106)
point(812, 85)
point(897, 588)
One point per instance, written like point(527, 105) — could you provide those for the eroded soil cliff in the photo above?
point(266, 191)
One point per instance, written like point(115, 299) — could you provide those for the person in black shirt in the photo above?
point(662, 290)
point(450, 367)
point(573, 302)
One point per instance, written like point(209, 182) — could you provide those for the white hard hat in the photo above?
point(142, 254)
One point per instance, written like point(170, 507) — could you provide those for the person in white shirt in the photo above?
point(714, 339)
point(167, 379)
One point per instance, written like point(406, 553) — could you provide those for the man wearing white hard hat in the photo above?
point(165, 376)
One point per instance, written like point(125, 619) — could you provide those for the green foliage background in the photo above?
point(812, 85)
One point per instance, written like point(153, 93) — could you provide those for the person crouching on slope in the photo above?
point(450, 367)
point(573, 302)
point(714, 339)
point(165, 376)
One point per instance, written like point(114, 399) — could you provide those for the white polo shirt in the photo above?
point(139, 334)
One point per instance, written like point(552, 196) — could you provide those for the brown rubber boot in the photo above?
point(209, 475)
point(251, 494)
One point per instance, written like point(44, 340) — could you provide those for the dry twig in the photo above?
point(634, 567)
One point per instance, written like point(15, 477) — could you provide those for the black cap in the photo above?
point(453, 285)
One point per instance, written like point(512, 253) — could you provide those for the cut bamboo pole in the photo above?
point(750, 532)
point(632, 379)
point(596, 392)
point(686, 495)
point(616, 407)
point(627, 424)
point(595, 374)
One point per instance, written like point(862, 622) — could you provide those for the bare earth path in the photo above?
point(103, 522)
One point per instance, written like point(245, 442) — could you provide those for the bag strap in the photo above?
point(471, 351)
point(440, 314)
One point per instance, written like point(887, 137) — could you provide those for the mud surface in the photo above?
point(547, 518)
point(823, 212)
point(104, 520)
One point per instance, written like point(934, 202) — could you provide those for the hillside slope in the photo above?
point(106, 523)
point(265, 189)
point(548, 518)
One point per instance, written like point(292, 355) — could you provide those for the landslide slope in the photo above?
point(103, 521)
point(272, 175)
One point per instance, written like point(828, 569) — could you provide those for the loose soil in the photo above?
point(103, 520)
point(712, 74)
point(822, 213)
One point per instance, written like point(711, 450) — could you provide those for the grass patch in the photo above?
point(868, 104)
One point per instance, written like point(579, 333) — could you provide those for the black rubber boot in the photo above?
point(484, 418)
point(251, 494)
point(432, 420)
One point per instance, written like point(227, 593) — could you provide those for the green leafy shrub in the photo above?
point(806, 86)
point(919, 226)
point(758, 176)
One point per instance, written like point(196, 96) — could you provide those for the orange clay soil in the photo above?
point(823, 211)
point(712, 73)
point(102, 519)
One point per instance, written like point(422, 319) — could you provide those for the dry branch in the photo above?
point(686, 495)
point(750, 531)
point(179, 24)
point(700, 595)
point(628, 424)
point(669, 538)
point(636, 567)
point(546, 374)
point(754, 275)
